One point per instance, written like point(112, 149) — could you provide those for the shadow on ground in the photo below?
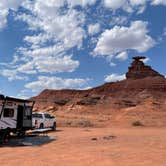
point(29, 140)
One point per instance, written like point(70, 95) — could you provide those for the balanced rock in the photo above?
point(139, 70)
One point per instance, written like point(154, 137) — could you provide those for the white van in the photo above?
point(42, 120)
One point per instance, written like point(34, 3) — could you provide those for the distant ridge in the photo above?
point(142, 83)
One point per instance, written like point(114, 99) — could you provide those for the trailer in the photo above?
point(15, 116)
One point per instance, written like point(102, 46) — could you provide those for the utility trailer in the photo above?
point(15, 116)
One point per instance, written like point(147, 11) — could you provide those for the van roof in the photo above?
point(18, 100)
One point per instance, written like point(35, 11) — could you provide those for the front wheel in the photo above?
point(41, 126)
point(4, 136)
point(54, 126)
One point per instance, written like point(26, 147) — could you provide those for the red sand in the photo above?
point(134, 146)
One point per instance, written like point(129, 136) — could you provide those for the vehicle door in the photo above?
point(27, 117)
point(48, 120)
point(8, 118)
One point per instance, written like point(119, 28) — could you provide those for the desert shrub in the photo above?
point(69, 123)
point(137, 123)
point(84, 123)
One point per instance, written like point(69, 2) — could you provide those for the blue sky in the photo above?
point(57, 44)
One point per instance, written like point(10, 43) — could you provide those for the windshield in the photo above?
point(37, 115)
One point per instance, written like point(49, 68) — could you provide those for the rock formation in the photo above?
point(142, 83)
point(139, 70)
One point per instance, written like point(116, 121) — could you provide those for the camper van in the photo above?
point(15, 116)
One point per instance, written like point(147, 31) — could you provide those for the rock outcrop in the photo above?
point(139, 70)
point(142, 83)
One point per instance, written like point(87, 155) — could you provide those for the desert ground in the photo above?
point(109, 146)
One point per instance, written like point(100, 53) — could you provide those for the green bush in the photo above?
point(137, 123)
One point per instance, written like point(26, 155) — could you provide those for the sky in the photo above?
point(76, 44)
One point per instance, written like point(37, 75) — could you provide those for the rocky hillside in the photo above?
point(142, 83)
point(142, 88)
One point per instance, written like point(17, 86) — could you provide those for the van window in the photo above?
point(47, 116)
point(8, 113)
point(28, 111)
point(37, 115)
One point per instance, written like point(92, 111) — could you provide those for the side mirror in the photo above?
point(52, 117)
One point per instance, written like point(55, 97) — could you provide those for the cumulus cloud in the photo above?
point(120, 38)
point(164, 31)
point(127, 5)
point(93, 28)
point(122, 56)
point(55, 33)
point(55, 65)
point(5, 6)
point(112, 64)
point(114, 78)
point(12, 75)
point(45, 82)
point(114, 4)
point(119, 20)
point(82, 3)
point(158, 2)
point(131, 5)
point(147, 59)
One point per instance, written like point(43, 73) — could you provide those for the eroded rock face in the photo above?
point(142, 83)
point(139, 70)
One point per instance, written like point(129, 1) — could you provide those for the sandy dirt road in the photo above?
point(75, 147)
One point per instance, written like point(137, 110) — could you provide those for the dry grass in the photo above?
point(137, 123)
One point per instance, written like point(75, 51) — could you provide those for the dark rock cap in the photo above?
point(137, 58)
point(139, 70)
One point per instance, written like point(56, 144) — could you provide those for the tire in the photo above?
point(54, 126)
point(5, 135)
point(41, 126)
point(21, 134)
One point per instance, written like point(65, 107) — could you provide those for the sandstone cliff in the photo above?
point(142, 82)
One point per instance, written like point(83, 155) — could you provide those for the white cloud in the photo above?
point(55, 65)
point(3, 20)
point(120, 38)
point(5, 6)
point(138, 2)
point(114, 78)
point(45, 82)
point(45, 52)
point(82, 3)
point(12, 75)
point(127, 5)
point(114, 4)
point(112, 64)
point(119, 20)
point(87, 88)
point(10, 4)
point(164, 31)
point(158, 2)
point(131, 5)
point(147, 59)
point(93, 28)
point(122, 56)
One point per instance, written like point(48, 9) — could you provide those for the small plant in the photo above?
point(69, 123)
point(84, 123)
point(137, 123)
